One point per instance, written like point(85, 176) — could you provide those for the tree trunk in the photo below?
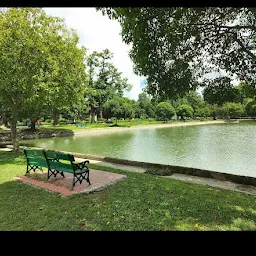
point(33, 125)
point(55, 117)
point(13, 121)
point(5, 121)
point(100, 111)
point(92, 114)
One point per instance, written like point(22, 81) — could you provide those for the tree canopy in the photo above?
point(40, 63)
point(173, 47)
point(105, 80)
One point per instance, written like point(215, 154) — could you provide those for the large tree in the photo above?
point(220, 90)
point(105, 81)
point(38, 61)
point(173, 47)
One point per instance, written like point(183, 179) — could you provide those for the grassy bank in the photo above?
point(140, 202)
point(104, 125)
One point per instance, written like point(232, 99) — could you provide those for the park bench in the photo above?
point(57, 162)
point(35, 159)
point(78, 124)
point(61, 162)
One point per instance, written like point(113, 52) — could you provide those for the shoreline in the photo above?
point(106, 130)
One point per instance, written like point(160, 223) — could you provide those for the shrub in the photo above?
point(232, 110)
point(62, 121)
point(160, 172)
point(184, 110)
point(164, 111)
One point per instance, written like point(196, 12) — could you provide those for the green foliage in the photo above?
point(246, 90)
point(173, 47)
point(105, 81)
point(42, 69)
point(184, 111)
point(202, 112)
point(250, 107)
point(119, 108)
point(232, 110)
point(220, 90)
point(160, 172)
point(164, 111)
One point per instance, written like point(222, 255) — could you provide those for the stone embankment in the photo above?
point(27, 134)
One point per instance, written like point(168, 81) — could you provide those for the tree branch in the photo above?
point(251, 27)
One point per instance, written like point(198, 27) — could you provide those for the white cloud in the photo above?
point(98, 32)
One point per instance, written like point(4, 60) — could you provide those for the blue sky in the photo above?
point(98, 32)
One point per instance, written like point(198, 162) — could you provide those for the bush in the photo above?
point(184, 110)
point(164, 111)
point(160, 172)
point(62, 121)
point(101, 120)
point(232, 110)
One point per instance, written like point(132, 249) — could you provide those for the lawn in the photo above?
point(140, 202)
point(103, 125)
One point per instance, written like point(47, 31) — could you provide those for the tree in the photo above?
point(250, 107)
point(119, 108)
point(32, 68)
point(173, 47)
point(219, 91)
point(202, 112)
point(104, 81)
point(164, 111)
point(193, 99)
point(184, 110)
point(145, 107)
point(232, 110)
point(246, 90)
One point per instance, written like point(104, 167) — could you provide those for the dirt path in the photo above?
point(140, 127)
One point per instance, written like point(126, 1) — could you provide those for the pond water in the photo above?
point(227, 148)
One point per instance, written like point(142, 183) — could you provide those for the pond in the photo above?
point(227, 148)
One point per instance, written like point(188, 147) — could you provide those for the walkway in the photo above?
point(186, 178)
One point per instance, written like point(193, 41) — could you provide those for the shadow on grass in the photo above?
point(12, 157)
point(141, 202)
point(24, 207)
point(118, 125)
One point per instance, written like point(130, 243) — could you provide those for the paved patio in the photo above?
point(99, 180)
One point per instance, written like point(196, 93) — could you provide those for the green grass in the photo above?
point(140, 202)
point(103, 125)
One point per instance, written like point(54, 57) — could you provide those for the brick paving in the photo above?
point(99, 180)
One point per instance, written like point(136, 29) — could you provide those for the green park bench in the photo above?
point(78, 124)
point(56, 163)
point(35, 159)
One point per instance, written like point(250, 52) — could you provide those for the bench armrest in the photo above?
point(82, 164)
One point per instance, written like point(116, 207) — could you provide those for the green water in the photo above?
point(228, 148)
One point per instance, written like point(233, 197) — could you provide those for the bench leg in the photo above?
point(33, 167)
point(80, 177)
point(53, 172)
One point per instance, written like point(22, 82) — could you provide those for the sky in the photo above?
point(98, 32)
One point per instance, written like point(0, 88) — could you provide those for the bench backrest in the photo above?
point(59, 161)
point(35, 157)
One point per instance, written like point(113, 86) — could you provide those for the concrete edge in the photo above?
point(239, 179)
